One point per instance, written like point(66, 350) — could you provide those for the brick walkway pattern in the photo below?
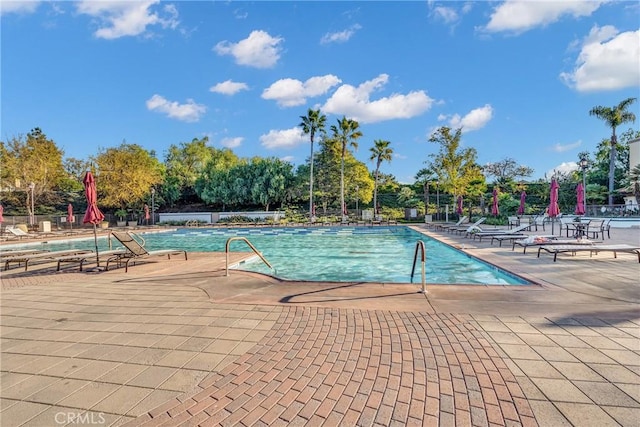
point(324, 366)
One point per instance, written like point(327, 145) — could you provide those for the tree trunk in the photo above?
point(612, 166)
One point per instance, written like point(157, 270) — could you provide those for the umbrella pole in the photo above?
point(95, 239)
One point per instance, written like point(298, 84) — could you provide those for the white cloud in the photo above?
point(259, 50)
point(563, 168)
point(340, 36)
point(560, 148)
point(232, 142)
point(354, 102)
point(287, 138)
point(229, 87)
point(518, 16)
point(22, 6)
point(473, 120)
point(292, 92)
point(287, 159)
point(189, 112)
point(608, 60)
point(127, 18)
point(447, 14)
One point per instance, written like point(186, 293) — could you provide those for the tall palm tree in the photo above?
point(379, 152)
point(347, 133)
point(312, 123)
point(614, 117)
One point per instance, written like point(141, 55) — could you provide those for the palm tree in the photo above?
point(634, 180)
point(312, 123)
point(347, 133)
point(614, 117)
point(379, 152)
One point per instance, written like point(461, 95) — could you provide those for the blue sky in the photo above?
point(519, 76)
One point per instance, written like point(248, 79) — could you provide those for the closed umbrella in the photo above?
point(580, 208)
point(459, 207)
point(146, 213)
point(70, 216)
point(554, 209)
point(93, 214)
point(523, 197)
point(1, 213)
point(495, 211)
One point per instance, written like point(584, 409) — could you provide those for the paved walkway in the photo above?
point(178, 343)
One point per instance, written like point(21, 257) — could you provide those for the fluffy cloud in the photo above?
point(259, 50)
point(563, 169)
point(228, 87)
point(127, 18)
point(473, 120)
point(189, 112)
point(18, 6)
point(561, 148)
point(286, 138)
point(355, 103)
point(231, 142)
point(340, 36)
point(519, 16)
point(291, 92)
point(608, 60)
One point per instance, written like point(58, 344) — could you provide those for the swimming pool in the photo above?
point(336, 254)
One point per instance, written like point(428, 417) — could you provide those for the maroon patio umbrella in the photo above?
point(553, 209)
point(523, 196)
point(1, 213)
point(70, 215)
point(93, 214)
point(459, 207)
point(580, 208)
point(147, 217)
point(495, 211)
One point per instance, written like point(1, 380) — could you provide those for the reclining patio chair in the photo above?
point(516, 232)
point(446, 225)
point(135, 250)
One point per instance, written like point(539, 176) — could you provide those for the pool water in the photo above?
point(337, 254)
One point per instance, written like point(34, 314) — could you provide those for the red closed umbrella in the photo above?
point(70, 215)
point(459, 207)
point(523, 197)
point(147, 217)
point(580, 207)
point(495, 211)
point(554, 209)
point(1, 213)
point(93, 214)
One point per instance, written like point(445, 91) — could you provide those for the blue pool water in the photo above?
point(340, 254)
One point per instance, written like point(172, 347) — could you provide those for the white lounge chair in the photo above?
point(558, 249)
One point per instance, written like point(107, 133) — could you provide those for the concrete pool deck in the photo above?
point(178, 343)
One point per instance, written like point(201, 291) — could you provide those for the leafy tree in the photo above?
point(455, 168)
point(212, 186)
point(36, 160)
point(184, 164)
point(347, 134)
point(379, 152)
point(311, 124)
point(614, 117)
point(270, 179)
point(634, 182)
point(125, 175)
point(507, 171)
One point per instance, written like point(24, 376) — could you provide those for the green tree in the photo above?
point(311, 124)
point(212, 186)
point(36, 160)
point(184, 164)
point(125, 176)
point(347, 134)
point(614, 117)
point(270, 179)
point(379, 152)
point(634, 182)
point(507, 171)
point(455, 168)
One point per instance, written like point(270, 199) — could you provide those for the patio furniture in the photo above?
point(42, 256)
point(547, 240)
point(573, 249)
point(135, 250)
point(82, 258)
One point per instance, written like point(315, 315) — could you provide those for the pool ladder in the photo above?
point(253, 248)
point(423, 258)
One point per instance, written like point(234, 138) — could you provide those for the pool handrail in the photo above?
point(253, 248)
point(423, 259)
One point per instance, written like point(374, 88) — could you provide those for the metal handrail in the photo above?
point(423, 259)
point(253, 248)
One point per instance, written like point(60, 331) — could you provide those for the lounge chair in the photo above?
point(135, 250)
point(557, 249)
point(467, 228)
point(42, 256)
point(82, 258)
point(498, 231)
point(19, 233)
point(445, 225)
point(548, 241)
